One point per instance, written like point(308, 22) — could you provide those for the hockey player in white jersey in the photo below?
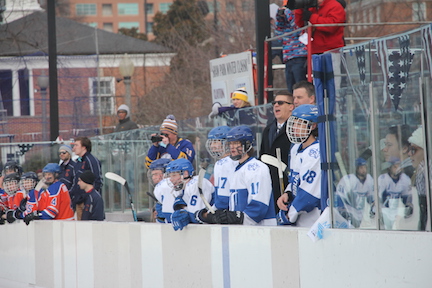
point(183, 199)
point(353, 192)
point(301, 204)
point(224, 167)
point(251, 197)
point(395, 194)
point(156, 175)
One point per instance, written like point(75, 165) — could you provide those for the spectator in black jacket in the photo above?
point(93, 204)
point(274, 136)
point(67, 166)
point(125, 123)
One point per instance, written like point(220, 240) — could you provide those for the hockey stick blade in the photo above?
point(117, 178)
point(273, 161)
point(200, 181)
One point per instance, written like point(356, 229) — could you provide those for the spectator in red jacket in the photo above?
point(327, 12)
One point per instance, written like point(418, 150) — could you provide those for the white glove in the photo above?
point(215, 110)
point(41, 185)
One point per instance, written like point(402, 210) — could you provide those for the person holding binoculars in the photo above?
point(167, 144)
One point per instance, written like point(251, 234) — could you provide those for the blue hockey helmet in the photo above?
point(216, 141)
point(160, 164)
point(219, 132)
point(52, 168)
point(299, 125)
point(12, 167)
point(360, 162)
point(180, 165)
point(245, 136)
point(240, 133)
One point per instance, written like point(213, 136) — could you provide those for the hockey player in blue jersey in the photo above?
point(183, 199)
point(301, 204)
point(224, 167)
point(251, 197)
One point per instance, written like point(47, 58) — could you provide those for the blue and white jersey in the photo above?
point(163, 193)
point(305, 184)
point(391, 191)
point(191, 194)
point(166, 195)
point(251, 193)
point(223, 171)
point(352, 194)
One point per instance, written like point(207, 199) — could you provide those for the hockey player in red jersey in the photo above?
point(54, 202)
point(14, 196)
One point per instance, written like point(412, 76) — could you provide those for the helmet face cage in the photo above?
point(298, 130)
point(155, 175)
point(11, 186)
point(175, 180)
point(217, 148)
point(28, 184)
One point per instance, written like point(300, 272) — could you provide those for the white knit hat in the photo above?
point(125, 108)
point(170, 125)
point(417, 137)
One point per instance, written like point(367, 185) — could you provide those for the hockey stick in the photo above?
point(280, 171)
point(200, 181)
point(273, 161)
point(151, 195)
point(123, 182)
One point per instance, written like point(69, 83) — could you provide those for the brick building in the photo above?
point(81, 50)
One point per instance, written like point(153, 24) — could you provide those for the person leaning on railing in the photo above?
point(326, 12)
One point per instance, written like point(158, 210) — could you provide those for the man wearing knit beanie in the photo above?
point(167, 144)
point(93, 203)
point(67, 166)
point(125, 123)
point(416, 153)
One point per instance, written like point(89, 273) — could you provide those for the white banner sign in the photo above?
point(230, 73)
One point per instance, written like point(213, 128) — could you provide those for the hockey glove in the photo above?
point(282, 218)
point(232, 217)
point(408, 210)
point(160, 217)
point(30, 217)
point(180, 219)
point(10, 216)
point(204, 216)
point(22, 206)
point(179, 203)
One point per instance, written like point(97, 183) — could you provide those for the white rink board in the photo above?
point(118, 254)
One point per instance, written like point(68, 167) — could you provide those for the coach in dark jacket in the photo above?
point(274, 136)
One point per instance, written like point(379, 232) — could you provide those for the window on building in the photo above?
point(23, 79)
point(108, 27)
point(149, 8)
point(149, 27)
point(419, 11)
point(128, 25)
point(85, 9)
point(107, 10)
point(127, 8)
point(164, 7)
point(105, 96)
point(230, 7)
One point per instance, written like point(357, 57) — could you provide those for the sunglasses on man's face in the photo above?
point(62, 152)
point(280, 102)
